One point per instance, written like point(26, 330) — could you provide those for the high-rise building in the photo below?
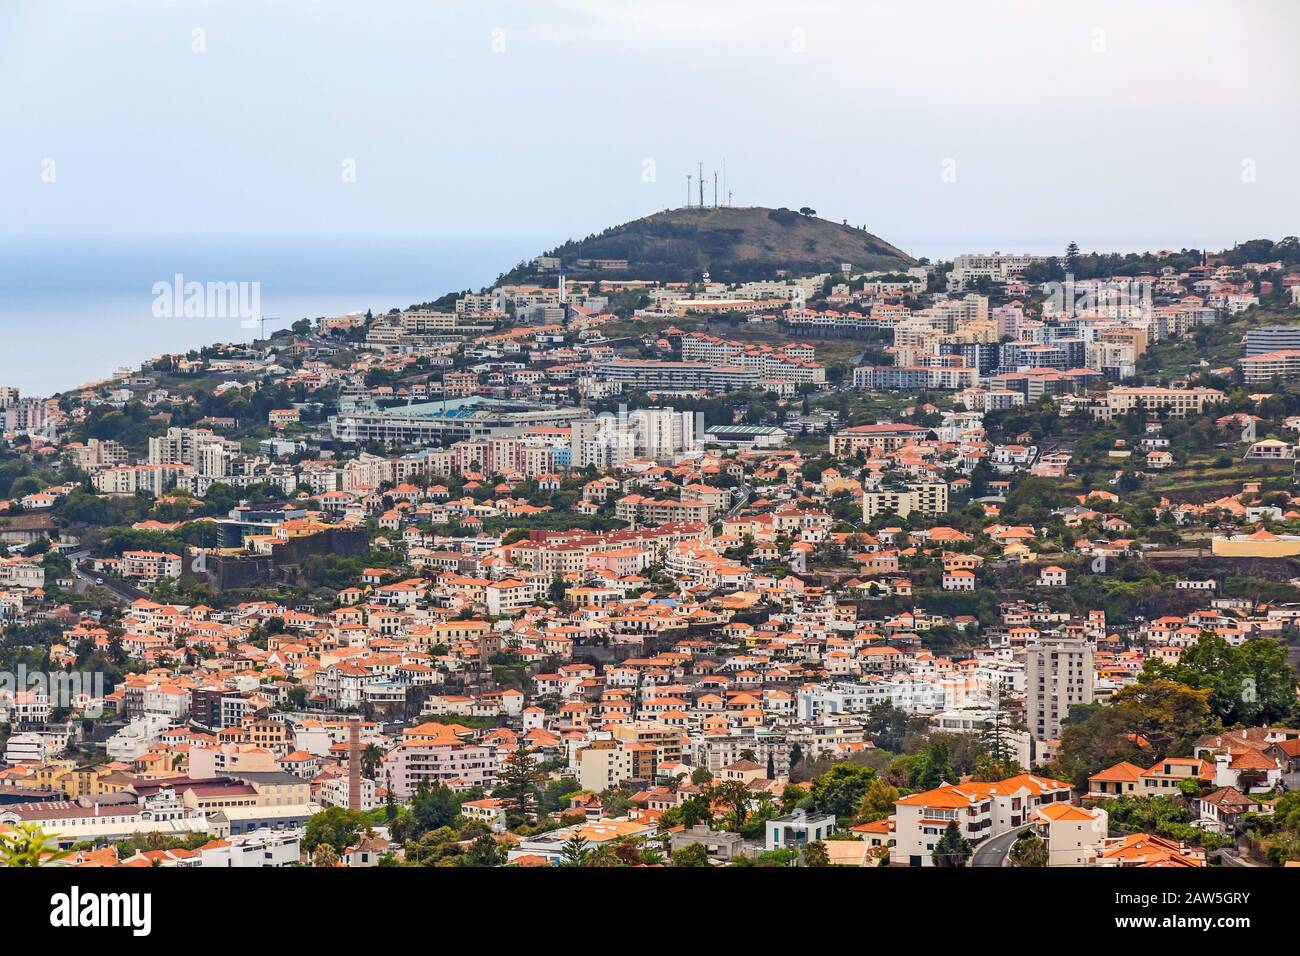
point(1272, 338)
point(607, 441)
point(1058, 675)
point(354, 763)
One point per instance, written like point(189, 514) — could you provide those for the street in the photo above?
point(994, 850)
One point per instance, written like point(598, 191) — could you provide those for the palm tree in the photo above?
point(602, 855)
point(652, 855)
point(325, 856)
point(1029, 850)
point(370, 758)
point(815, 854)
point(28, 845)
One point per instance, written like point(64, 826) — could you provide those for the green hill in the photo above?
point(731, 244)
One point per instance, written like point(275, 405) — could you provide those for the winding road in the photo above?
point(121, 591)
point(994, 850)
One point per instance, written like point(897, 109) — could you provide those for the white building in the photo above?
point(606, 441)
point(134, 739)
point(1058, 675)
point(980, 810)
point(1072, 834)
point(255, 849)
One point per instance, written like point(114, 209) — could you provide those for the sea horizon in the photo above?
point(74, 310)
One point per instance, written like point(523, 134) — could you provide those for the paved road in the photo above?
point(742, 499)
point(87, 580)
point(994, 850)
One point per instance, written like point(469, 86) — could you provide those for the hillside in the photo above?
point(731, 244)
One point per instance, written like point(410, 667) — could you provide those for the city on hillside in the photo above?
point(985, 562)
point(808, 436)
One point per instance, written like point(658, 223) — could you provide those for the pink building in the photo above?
point(458, 765)
point(620, 562)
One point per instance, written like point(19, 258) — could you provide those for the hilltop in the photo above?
point(731, 244)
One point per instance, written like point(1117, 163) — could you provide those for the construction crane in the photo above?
point(253, 323)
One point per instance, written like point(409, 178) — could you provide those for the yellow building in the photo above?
point(1261, 544)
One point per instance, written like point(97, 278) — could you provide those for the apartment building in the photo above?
point(980, 810)
point(96, 454)
point(512, 595)
point(909, 378)
point(638, 509)
point(1073, 835)
point(647, 373)
point(25, 416)
point(885, 437)
point(1058, 675)
point(603, 764)
point(128, 479)
point(1178, 402)
point(921, 819)
point(967, 269)
point(182, 446)
point(1265, 366)
point(150, 566)
point(1272, 338)
point(929, 498)
point(607, 441)
point(447, 761)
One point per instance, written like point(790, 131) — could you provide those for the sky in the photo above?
point(1155, 124)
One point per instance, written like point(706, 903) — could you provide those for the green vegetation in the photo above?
point(336, 827)
point(1142, 724)
point(952, 849)
point(731, 244)
point(26, 844)
point(1250, 685)
point(1163, 816)
point(1029, 850)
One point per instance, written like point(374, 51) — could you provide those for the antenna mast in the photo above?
point(715, 189)
point(701, 171)
point(688, 190)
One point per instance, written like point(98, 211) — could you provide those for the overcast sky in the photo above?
point(1122, 124)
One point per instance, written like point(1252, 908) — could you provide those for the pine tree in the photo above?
point(952, 849)
point(575, 852)
point(1072, 259)
point(519, 777)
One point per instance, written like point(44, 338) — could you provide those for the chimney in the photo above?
point(354, 763)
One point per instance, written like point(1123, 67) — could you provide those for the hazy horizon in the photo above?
point(396, 150)
point(1165, 124)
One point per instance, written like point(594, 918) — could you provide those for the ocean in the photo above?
point(73, 311)
point(76, 310)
